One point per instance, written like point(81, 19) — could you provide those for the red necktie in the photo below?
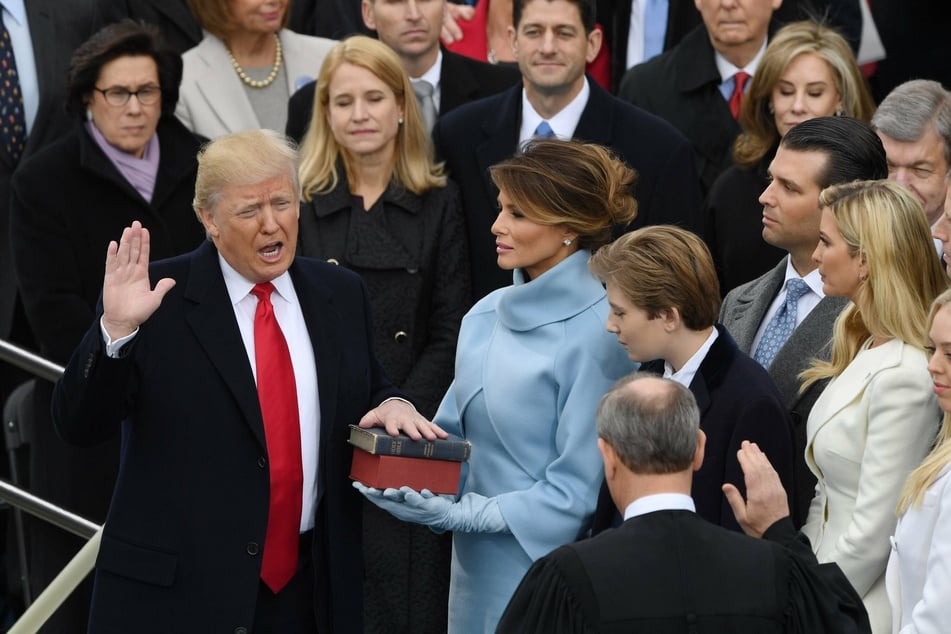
point(277, 393)
point(739, 83)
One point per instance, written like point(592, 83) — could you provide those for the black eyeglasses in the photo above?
point(119, 96)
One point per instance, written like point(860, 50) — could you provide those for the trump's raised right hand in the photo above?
point(127, 295)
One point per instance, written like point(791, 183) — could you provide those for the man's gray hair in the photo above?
point(651, 423)
point(911, 107)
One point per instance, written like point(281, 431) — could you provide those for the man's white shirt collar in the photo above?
point(659, 502)
point(563, 123)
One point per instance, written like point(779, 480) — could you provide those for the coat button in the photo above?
point(262, 462)
point(334, 261)
point(252, 548)
point(90, 362)
point(400, 336)
point(240, 630)
point(412, 271)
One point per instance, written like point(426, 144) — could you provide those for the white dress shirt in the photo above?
point(432, 76)
point(290, 318)
point(659, 502)
point(685, 375)
point(563, 124)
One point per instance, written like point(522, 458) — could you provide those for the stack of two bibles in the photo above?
point(383, 461)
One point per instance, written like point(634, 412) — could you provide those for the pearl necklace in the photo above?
point(267, 81)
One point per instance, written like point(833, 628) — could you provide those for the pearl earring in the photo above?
point(400, 120)
point(88, 114)
point(567, 242)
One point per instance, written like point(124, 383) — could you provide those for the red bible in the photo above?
point(383, 472)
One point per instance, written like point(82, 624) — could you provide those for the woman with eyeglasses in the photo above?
point(126, 159)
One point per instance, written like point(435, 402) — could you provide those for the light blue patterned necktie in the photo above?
point(781, 325)
point(544, 131)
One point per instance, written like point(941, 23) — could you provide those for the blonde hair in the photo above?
point(662, 267)
point(797, 38)
point(913, 493)
point(414, 168)
point(884, 223)
point(582, 187)
point(224, 161)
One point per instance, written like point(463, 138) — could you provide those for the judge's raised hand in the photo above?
point(766, 501)
point(127, 295)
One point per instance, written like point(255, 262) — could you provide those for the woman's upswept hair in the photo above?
point(913, 493)
point(885, 224)
point(582, 187)
point(414, 168)
point(759, 126)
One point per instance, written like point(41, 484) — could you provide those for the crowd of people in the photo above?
point(668, 267)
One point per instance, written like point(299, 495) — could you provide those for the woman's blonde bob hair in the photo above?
point(883, 223)
point(759, 125)
point(320, 152)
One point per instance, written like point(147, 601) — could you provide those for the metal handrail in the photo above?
point(32, 363)
point(51, 513)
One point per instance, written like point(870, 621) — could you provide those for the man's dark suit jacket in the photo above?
point(182, 544)
point(742, 313)
point(56, 29)
point(683, 86)
point(180, 28)
point(461, 80)
point(682, 17)
point(670, 571)
point(615, 18)
point(737, 401)
point(478, 135)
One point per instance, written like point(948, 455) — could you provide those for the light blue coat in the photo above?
point(532, 362)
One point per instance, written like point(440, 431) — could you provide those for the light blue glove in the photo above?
point(473, 513)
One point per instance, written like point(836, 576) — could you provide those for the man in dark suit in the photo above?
point(552, 40)
point(43, 35)
point(179, 27)
point(49, 31)
point(412, 30)
point(681, 17)
point(662, 288)
point(665, 568)
point(694, 84)
point(813, 155)
point(232, 510)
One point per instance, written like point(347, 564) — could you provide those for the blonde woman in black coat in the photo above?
point(374, 202)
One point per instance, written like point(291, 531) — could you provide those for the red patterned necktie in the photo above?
point(277, 393)
point(12, 119)
point(739, 83)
